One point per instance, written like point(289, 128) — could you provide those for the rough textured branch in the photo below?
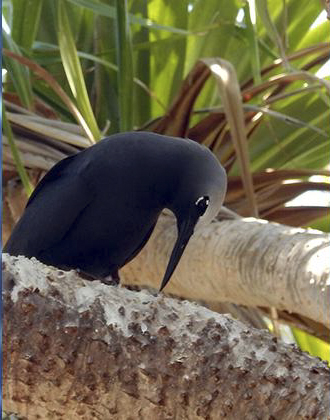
point(247, 261)
point(79, 349)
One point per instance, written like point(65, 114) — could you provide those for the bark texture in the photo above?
point(77, 349)
point(247, 261)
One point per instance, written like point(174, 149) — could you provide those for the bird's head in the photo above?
point(197, 200)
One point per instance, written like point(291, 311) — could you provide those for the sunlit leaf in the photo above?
point(26, 15)
point(110, 11)
point(263, 13)
point(312, 345)
point(73, 69)
point(253, 44)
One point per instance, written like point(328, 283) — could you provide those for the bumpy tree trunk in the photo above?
point(78, 349)
point(245, 261)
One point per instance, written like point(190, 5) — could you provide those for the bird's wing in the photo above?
point(55, 205)
point(135, 252)
point(55, 173)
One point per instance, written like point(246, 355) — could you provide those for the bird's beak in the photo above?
point(185, 230)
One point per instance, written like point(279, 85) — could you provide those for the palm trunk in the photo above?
point(79, 349)
point(246, 261)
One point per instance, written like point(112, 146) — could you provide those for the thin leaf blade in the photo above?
point(125, 67)
point(232, 101)
point(17, 159)
point(26, 17)
point(73, 69)
point(18, 74)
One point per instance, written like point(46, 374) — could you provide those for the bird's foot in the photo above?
point(111, 280)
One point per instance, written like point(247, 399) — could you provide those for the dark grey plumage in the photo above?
point(96, 210)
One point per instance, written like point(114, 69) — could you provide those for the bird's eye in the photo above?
point(202, 204)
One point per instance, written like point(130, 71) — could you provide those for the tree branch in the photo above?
point(79, 349)
point(246, 261)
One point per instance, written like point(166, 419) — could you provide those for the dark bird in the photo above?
point(95, 211)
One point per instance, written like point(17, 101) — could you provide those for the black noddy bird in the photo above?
point(95, 211)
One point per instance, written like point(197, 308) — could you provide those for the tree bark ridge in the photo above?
point(80, 349)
